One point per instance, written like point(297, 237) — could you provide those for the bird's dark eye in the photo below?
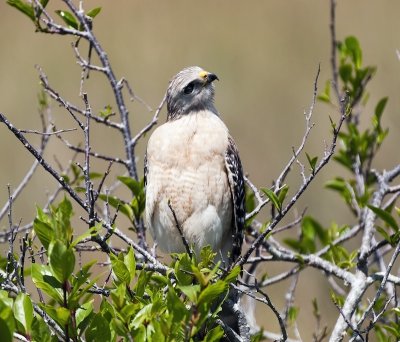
point(189, 88)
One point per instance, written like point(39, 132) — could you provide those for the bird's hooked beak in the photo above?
point(208, 77)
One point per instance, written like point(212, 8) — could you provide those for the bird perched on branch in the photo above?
point(193, 173)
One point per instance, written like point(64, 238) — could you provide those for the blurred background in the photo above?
point(266, 54)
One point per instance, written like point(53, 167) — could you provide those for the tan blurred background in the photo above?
point(266, 54)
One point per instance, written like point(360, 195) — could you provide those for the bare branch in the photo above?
point(108, 71)
point(42, 162)
point(242, 260)
point(381, 286)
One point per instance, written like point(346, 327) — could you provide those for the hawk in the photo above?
point(193, 173)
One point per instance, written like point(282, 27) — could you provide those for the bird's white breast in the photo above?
point(186, 166)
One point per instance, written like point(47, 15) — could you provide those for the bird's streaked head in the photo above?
point(190, 91)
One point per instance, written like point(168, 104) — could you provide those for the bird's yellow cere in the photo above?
point(203, 74)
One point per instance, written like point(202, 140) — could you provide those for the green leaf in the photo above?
point(326, 95)
point(6, 315)
point(62, 215)
point(207, 256)
point(282, 195)
point(23, 7)
point(116, 203)
point(135, 186)
point(61, 260)
point(44, 3)
point(293, 313)
point(337, 184)
point(61, 315)
point(183, 270)
point(68, 18)
point(142, 281)
point(312, 162)
point(137, 204)
point(23, 311)
point(273, 198)
point(385, 216)
point(215, 334)
point(119, 327)
point(106, 112)
point(78, 291)
point(5, 332)
point(90, 232)
point(190, 291)
point(143, 315)
point(345, 71)
point(120, 270)
point(93, 12)
point(383, 232)
point(380, 107)
point(40, 330)
point(118, 295)
point(83, 313)
point(353, 46)
point(44, 232)
point(43, 278)
point(130, 262)
point(212, 292)
point(310, 223)
point(231, 277)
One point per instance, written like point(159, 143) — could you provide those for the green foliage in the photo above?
point(143, 305)
point(34, 11)
point(149, 306)
point(54, 226)
point(292, 314)
point(106, 112)
point(351, 72)
point(276, 199)
point(68, 18)
point(311, 229)
point(93, 12)
point(312, 161)
point(24, 7)
point(23, 312)
point(313, 235)
point(356, 155)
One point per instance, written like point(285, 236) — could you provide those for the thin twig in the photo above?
point(47, 133)
point(108, 71)
point(296, 153)
point(124, 82)
point(150, 125)
point(178, 227)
